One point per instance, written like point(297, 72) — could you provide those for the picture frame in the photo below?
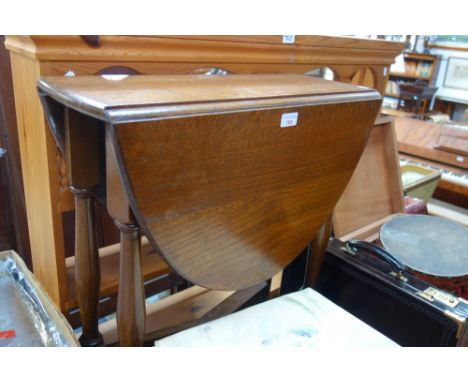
point(456, 74)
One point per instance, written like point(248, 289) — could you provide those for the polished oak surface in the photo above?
point(123, 98)
point(228, 196)
point(219, 182)
point(231, 199)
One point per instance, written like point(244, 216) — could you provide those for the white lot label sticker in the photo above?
point(289, 119)
point(289, 38)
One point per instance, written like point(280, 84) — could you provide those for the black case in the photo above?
point(404, 308)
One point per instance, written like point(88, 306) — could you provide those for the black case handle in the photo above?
point(381, 253)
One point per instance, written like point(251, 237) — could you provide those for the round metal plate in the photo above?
point(428, 244)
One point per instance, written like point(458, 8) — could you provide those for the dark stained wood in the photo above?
point(452, 193)
point(116, 199)
point(131, 300)
point(87, 275)
point(220, 189)
point(144, 97)
point(131, 312)
point(237, 193)
point(81, 142)
point(319, 248)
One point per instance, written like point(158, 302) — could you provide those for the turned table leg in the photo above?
point(319, 248)
point(87, 273)
point(82, 153)
point(131, 311)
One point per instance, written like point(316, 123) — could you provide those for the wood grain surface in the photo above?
point(258, 49)
point(420, 138)
point(374, 191)
point(228, 176)
point(105, 97)
point(231, 199)
point(10, 141)
point(36, 56)
point(41, 181)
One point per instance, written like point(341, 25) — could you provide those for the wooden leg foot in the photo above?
point(87, 273)
point(131, 311)
point(319, 248)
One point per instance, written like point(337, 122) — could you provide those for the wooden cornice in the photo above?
point(231, 49)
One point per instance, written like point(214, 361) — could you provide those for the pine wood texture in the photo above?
point(266, 49)
point(10, 141)
point(57, 55)
point(375, 190)
point(41, 183)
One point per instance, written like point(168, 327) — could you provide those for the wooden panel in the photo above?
point(235, 198)
point(369, 232)
point(328, 41)
point(419, 138)
point(18, 221)
point(38, 161)
point(318, 49)
point(344, 73)
point(374, 191)
point(99, 96)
